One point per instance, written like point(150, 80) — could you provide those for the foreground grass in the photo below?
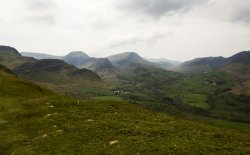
point(59, 125)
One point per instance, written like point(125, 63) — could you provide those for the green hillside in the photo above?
point(13, 87)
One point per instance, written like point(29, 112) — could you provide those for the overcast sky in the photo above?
point(173, 29)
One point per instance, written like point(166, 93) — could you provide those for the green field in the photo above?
point(197, 100)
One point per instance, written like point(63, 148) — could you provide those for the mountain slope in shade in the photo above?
point(203, 64)
point(54, 71)
point(128, 62)
point(8, 52)
point(11, 58)
point(215, 63)
point(40, 56)
point(5, 70)
point(101, 66)
point(238, 63)
point(76, 58)
point(239, 66)
point(45, 71)
point(242, 57)
point(130, 57)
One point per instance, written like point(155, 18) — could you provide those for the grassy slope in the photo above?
point(32, 122)
point(88, 127)
point(13, 87)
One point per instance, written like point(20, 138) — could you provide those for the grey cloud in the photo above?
point(40, 5)
point(41, 11)
point(125, 42)
point(242, 15)
point(134, 40)
point(233, 10)
point(159, 36)
point(101, 25)
point(158, 8)
point(42, 19)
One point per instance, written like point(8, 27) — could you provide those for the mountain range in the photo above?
point(44, 71)
point(102, 66)
point(126, 62)
point(78, 63)
point(110, 67)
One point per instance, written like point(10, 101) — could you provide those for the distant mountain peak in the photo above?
point(128, 56)
point(133, 54)
point(77, 54)
point(76, 58)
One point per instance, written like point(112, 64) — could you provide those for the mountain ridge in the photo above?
point(45, 70)
point(40, 56)
point(215, 63)
point(101, 66)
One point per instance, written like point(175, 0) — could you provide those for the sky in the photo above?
point(173, 29)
